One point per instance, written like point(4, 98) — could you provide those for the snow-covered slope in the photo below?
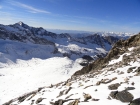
point(115, 80)
point(27, 75)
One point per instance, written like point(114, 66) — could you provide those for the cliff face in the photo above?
point(119, 48)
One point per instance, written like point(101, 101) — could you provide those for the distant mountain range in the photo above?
point(21, 41)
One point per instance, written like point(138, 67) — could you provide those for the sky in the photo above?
point(83, 15)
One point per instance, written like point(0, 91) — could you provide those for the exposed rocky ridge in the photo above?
point(115, 82)
point(119, 48)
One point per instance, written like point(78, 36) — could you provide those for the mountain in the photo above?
point(20, 35)
point(33, 57)
point(113, 79)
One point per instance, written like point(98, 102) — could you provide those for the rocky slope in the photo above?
point(113, 79)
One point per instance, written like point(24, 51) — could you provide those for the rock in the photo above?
point(124, 96)
point(129, 88)
point(88, 86)
point(74, 102)
point(114, 78)
point(113, 94)
point(130, 69)
point(59, 102)
point(135, 102)
point(66, 92)
point(113, 86)
point(39, 100)
point(126, 79)
point(68, 84)
point(95, 99)
point(96, 90)
point(61, 93)
point(87, 97)
point(137, 70)
point(98, 83)
point(132, 83)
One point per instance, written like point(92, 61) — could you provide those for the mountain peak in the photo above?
point(20, 23)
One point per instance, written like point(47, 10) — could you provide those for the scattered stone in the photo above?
point(74, 102)
point(68, 84)
point(130, 69)
point(108, 98)
point(126, 79)
point(59, 102)
point(113, 86)
point(39, 100)
point(98, 83)
point(114, 78)
point(121, 72)
point(132, 83)
point(129, 88)
point(113, 94)
point(61, 93)
point(93, 99)
point(66, 92)
point(87, 97)
point(88, 86)
point(137, 70)
point(124, 96)
point(96, 90)
point(135, 102)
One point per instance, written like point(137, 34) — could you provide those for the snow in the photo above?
point(25, 76)
point(118, 60)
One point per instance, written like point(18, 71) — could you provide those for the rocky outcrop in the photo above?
point(119, 48)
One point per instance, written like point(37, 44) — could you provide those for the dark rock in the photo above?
point(87, 57)
point(74, 102)
point(39, 100)
point(135, 102)
point(130, 69)
point(113, 94)
point(59, 102)
point(124, 96)
point(130, 88)
point(113, 86)
point(95, 99)
point(132, 83)
point(66, 92)
point(137, 70)
point(87, 97)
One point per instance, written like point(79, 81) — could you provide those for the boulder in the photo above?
point(113, 86)
point(124, 96)
point(135, 102)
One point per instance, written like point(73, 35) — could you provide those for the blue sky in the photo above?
point(85, 15)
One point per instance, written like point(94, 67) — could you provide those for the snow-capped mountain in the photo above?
point(73, 46)
point(114, 79)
